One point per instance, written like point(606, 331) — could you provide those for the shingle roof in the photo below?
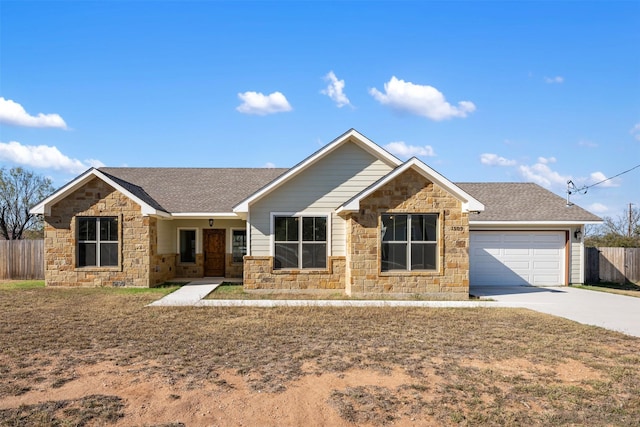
point(518, 201)
point(177, 190)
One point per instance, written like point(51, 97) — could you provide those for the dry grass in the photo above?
point(628, 289)
point(468, 366)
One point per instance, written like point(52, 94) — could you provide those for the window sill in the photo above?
point(410, 273)
point(301, 271)
point(93, 268)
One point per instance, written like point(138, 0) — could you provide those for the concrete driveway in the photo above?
point(611, 311)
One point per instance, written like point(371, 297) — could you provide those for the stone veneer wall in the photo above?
point(409, 193)
point(232, 269)
point(259, 274)
point(97, 198)
point(190, 270)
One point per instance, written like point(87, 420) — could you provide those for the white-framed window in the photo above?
point(187, 245)
point(98, 241)
point(238, 244)
point(300, 241)
point(409, 242)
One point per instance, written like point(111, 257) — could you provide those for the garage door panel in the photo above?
point(516, 251)
point(517, 258)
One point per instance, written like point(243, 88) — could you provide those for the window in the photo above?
point(238, 244)
point(97, 241)
point(187, 246)
point(409, 242)
point(300, 241)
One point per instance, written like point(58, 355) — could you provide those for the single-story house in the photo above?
point(351, 217)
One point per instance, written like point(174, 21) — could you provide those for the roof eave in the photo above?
point(533, 223)
point(44, 207)
point(469, 204)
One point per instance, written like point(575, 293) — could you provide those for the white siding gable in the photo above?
point(320, 188)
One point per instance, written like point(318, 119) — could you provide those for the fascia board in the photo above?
point(469, 203)
point(530, 223)
point(352, 134)
point(44, 207)
point(204, 215)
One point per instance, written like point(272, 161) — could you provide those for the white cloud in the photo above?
point(597, 208)
point(635, 131)
point(596, 177)
point(546, 160)
point(552, 80)
point(43, 157)
point(260, 104)
point(12, 113)
point(401, 149)
point(541, 174)
point(335, 90)
point(421, 100)
point(495, 160)
point(269, 165)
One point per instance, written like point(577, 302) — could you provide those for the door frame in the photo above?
point(205, 233)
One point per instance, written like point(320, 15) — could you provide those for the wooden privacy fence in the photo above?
point(615, 265)
point(21, 259)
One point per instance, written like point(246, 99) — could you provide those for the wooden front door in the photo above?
point(213, 245)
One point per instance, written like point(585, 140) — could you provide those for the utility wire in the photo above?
point(607, 179)
point(571, 188)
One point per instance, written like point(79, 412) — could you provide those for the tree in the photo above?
point(19, 191)
point(621, 231)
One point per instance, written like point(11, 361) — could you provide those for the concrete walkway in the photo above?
point(190, 293)
point(616, 312)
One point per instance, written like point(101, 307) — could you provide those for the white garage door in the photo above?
point(517, 258)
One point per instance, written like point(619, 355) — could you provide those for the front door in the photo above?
point(213, 245)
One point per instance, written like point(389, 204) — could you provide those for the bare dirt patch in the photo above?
point(101, 357)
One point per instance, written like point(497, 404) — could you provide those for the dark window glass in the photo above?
point(108, 254)
point(86, 254)
point(286, 255)
point(300, 242)
point(423, 256)
point(314, 255)
point(394, 256)
point(239, 245)
point(188, 246)
point(87, 228)
point(286, 228)
point(97, 241)
point(398, 247)
point(108, 229)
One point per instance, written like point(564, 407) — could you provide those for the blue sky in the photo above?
point(481, 91)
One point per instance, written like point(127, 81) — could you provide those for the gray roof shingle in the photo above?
point(522, 201)
point(177, 190)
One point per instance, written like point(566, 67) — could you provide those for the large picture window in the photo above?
point(409, 242)
point(300, 242)
point(97, 241)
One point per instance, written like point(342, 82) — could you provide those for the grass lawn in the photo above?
point(628, 289)
point(101, 357)
point(236, 291)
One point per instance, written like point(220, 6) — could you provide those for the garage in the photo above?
point(499, 258)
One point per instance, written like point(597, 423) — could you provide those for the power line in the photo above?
point(586, 187)
point(572, 189)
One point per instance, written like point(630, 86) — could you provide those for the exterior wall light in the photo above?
point(211, 222)
point(578, 235)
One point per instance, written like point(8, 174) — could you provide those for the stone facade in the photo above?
point(96, 198)
point(408, 193)
point(259, 274)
